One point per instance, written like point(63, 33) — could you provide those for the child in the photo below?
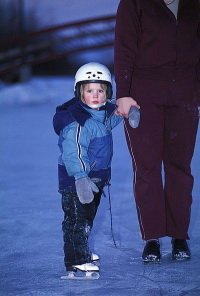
point(84, 127)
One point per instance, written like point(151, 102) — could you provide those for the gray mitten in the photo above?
point(85, 188)
point(134, 117)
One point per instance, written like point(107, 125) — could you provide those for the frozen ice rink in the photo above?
point(31, 255)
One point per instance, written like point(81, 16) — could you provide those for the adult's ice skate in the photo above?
point(180, 250)
point(151, 253)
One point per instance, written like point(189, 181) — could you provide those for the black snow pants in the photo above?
point(76, 226)
point(162, 148)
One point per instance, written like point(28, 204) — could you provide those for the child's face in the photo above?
point(93, 94)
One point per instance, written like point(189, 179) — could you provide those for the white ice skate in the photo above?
point(86, 271)
point(94, 257)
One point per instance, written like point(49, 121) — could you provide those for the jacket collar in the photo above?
point(188, 8)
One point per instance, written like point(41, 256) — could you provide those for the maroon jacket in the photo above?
point(151, 43)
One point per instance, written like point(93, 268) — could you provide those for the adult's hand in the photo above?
point(124, 104)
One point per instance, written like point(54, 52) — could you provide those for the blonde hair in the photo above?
point(103, 85)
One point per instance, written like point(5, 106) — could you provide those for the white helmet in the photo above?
point(93, 73)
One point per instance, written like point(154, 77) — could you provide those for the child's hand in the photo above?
point(85, 188)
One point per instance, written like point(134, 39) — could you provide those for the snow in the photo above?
point(30, 215)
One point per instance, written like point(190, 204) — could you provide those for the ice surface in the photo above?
point(31, 255)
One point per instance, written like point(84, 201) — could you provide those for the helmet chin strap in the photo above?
point(95, 106)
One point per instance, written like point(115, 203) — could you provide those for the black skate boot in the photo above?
point(180, 250)
point(151, 253)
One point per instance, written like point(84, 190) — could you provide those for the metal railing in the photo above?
point(56, 42)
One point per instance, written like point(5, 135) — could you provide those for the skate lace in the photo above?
point(111, 217)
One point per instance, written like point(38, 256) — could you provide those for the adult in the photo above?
point(157, 51)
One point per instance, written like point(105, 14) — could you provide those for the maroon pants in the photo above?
point(162, 148)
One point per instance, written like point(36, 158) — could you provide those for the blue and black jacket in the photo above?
point(85, 142)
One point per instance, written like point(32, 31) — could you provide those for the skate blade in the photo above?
point(151, 261)
point(88, 275)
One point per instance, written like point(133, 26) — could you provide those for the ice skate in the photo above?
point(151, 253)
point(94, 258)
point(180, 250)
point(86, 271)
